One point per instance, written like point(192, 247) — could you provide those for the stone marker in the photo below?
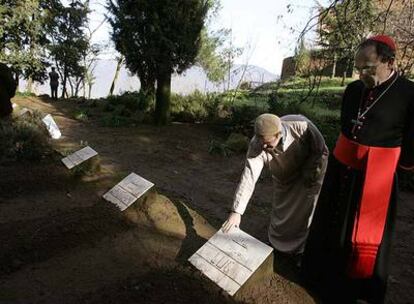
point(25, 112)
point(52, 127)
point(79, 157)
point(128, 191)
point(230, 259)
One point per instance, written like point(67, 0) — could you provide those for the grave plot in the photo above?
point(125, 193)
point(230, 259)
point(79, 157)
point(52, 127)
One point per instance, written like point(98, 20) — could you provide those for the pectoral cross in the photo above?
point(357, 124)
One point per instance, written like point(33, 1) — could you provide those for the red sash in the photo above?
point(379, 165)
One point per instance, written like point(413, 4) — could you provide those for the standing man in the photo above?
point(347, 253)
point(295, 152)
point(54, 83)
point(7, 90)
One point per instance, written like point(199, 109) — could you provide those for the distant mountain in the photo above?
point(193, 79)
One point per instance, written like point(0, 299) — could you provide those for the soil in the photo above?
point(61, 243)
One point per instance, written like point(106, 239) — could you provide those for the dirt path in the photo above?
point(64, 245)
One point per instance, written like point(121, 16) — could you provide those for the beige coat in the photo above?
point(298, 166)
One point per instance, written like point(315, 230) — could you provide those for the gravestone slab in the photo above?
point(125, 193)
point(52, 127)
point(25, 112)
point(230, 259)
point(79, 157)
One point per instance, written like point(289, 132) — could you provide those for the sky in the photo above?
point(255, 26)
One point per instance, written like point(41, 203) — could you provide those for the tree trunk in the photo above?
point(147, 89)
point(118, 69)
point(72, 92)
point(77, 87)
point(162, 99)
point(348, 62)
point(17, 80)
point(333, 66)
point(229, 75)
point(90, 90)
point(29, 85)
point(65, 76)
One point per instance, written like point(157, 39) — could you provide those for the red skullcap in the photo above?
point(386, 40)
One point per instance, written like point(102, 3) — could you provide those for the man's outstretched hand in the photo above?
point(233, 221)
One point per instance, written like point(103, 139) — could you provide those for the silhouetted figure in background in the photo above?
point(54, 83)
point(7, 90)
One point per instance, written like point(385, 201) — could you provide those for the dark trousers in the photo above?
point(54, 89)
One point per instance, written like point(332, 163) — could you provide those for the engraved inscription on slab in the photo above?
point(52, 127)
point(79, 157)
point(125, 193)
point(230, 259)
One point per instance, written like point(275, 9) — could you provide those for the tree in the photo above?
point(230, 53)
point(209, 57)
point(119, 62)
point(158, 38)
point(23, 38)
point(343, 27)
point(302, 59)
point(69, 43)
point(90, 58)
point(396, 18)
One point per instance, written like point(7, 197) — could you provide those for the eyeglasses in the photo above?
point(368, 69)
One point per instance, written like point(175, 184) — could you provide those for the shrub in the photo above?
point(243, 117)
point(190, 108)
point(132, 101)
point(82, 115)
point(128, 109)
point(24, 138)
point(25, 94)
point(237, 142)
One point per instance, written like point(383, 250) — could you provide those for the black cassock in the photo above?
point(389, 123)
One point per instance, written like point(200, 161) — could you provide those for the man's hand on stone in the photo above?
point(233, 221)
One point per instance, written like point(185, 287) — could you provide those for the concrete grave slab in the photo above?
point(125, 193)
point(25, 112)
point(79, 157)
point(230, 259)
point(52, 127)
